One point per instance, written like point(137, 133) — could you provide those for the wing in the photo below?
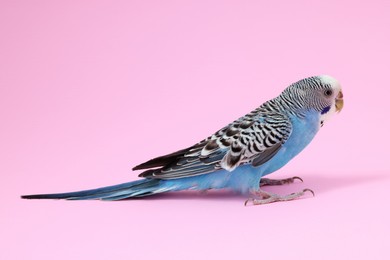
point(254, 138)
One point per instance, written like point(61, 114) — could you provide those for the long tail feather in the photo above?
point(140, 188)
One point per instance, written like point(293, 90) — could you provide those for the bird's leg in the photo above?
point(271, 182)
point(264, 197)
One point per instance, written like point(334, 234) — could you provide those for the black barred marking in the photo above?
point(246, 124)
point(232, 131)
point(257, 138)
point(249, 148)
point(271, 141)
point(244, 140)
point(211, 145)
point(257, 149)
point(266, 143)
point(233, 160)
point(236, 148)
point(225, 142)
point(263, 134)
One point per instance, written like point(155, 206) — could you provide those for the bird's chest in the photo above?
point(303, 132)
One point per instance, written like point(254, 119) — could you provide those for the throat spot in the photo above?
point(325, 110)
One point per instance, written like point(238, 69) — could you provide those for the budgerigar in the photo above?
point(238, 156)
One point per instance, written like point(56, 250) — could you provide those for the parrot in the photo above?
point(238, 156)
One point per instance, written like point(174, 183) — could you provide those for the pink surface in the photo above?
point(89, 89)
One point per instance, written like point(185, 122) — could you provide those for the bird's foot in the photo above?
point(266, 197)
point(271, 182)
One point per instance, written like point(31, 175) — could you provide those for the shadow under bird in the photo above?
point(238, 156)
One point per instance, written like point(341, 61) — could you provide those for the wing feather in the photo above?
point(254, 138)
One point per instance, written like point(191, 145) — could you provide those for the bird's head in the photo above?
point(321, 93)
point(331, 98)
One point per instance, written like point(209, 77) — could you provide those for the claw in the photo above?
point(309, 190)
point(246, 202)
point(297, 178)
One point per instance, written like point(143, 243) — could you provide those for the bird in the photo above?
point(238, 156)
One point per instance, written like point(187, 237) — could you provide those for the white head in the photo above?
point(321, 93)
point(334, 96)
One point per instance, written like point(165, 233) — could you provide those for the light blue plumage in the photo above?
point(238, 156)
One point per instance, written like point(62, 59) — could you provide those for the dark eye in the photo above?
point(328, 92)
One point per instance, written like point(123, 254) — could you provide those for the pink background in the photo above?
point(89, 89)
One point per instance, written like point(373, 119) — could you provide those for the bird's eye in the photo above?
point(328, 92)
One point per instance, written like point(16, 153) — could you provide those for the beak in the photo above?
point(339, 102)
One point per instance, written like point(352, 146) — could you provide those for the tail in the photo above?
point(140, 188)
